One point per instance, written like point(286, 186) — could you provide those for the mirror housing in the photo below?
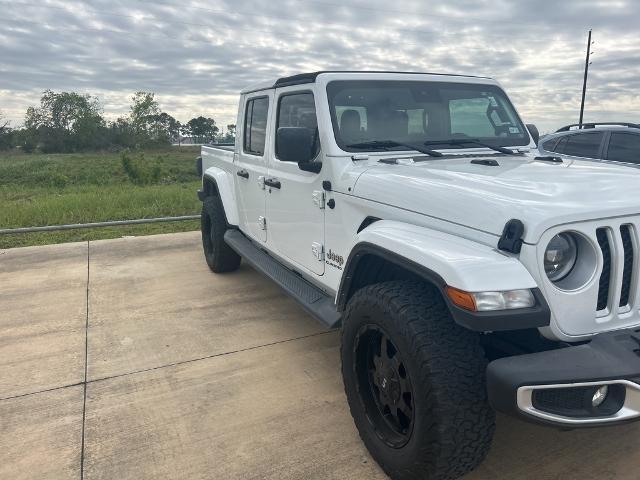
point(295, 144)
point(535, 134)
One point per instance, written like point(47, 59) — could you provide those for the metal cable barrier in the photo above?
point(112, 223)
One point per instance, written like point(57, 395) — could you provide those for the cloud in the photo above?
point(197, 56)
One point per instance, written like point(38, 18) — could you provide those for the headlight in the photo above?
point(560, 256)
point(491, 301)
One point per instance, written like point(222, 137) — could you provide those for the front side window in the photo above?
point(585, 145)
point(624, 147)
point(255, 125)
point(414, 112)
point(299, 110)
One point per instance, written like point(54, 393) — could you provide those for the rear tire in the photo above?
point(415, 382)
point(213, 224)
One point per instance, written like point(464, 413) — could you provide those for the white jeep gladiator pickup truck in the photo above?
point(468, 275)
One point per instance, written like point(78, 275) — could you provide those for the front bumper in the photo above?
point(555, 387)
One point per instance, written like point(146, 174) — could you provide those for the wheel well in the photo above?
point(372, 268)
point(210, 188)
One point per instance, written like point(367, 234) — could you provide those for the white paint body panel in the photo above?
point(217, 165)
point(461, 263)
point(540, 194)
point(446, 214)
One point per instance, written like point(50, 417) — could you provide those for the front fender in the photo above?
point(223, 182)
point(461, 263)
point(448, 260)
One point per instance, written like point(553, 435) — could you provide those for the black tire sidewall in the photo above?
point(370, 315)
point(447, 379)
point(213, 225)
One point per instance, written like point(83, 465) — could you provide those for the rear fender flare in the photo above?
point(217, 181)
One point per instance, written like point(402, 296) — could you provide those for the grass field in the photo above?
point(40, 189)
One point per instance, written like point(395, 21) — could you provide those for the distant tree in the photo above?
point(144, 108)
point(167, 127)
point(65, 121)
point(230, 134)
point(202, 129)
point(5, 133)
point(150, 124)
point(4, 123)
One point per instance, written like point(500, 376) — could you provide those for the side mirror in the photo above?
point(295, 144)
point(535, 134)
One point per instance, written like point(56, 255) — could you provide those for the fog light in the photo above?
point(599, 396)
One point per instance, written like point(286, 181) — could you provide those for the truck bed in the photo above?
point(220, 156)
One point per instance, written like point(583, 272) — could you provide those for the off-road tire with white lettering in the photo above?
point(442, 367)
point(213, 224)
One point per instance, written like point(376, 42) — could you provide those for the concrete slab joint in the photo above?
point(129, 359)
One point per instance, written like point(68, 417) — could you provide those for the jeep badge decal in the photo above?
point(334, 260)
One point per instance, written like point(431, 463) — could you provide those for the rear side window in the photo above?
point(585, 145)
point(549, 145)
point(299, 110)
point(624, 147)
point(255, 125)
point(561, 144)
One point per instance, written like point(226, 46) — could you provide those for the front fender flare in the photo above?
point(223, 182)
point(444, 259)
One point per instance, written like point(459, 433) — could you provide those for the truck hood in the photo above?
point(540, 194)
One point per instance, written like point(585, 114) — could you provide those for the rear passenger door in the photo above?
point(251, 164)
point(624, 147)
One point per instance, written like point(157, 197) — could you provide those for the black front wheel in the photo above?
point(415, 382)
point(213, 224)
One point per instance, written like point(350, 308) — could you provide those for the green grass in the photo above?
point(81, 188)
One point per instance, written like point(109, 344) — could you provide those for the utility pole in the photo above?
point(584, 83)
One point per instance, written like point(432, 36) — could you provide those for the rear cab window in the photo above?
point(255, 125)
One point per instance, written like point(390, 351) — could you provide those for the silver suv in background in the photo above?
point(616, 142)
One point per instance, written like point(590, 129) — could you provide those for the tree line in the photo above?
point(71, 122)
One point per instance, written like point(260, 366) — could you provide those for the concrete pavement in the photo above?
point(128, 359)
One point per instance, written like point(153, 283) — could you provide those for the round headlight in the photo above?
point(560, 256)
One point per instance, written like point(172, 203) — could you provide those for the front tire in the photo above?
point(213, 224)
point(415, 382)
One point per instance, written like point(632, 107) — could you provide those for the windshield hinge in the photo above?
point(317, 249)
point(319, 198)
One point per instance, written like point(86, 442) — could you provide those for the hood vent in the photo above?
point(486, 162)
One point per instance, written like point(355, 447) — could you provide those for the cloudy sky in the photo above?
point(197, 54)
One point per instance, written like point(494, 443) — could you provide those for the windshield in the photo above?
point(411, 112)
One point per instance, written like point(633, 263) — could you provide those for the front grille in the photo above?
point(627, 244)
point(617, 247)
point(605, 276)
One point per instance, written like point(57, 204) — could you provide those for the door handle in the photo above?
point(242, 173)
point(272, 182)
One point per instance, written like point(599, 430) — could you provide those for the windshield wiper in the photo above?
point(387, 144)
point(467, 141)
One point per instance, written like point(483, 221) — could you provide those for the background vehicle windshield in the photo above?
point(415, 112)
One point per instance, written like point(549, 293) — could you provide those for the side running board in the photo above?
point(310, 297)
